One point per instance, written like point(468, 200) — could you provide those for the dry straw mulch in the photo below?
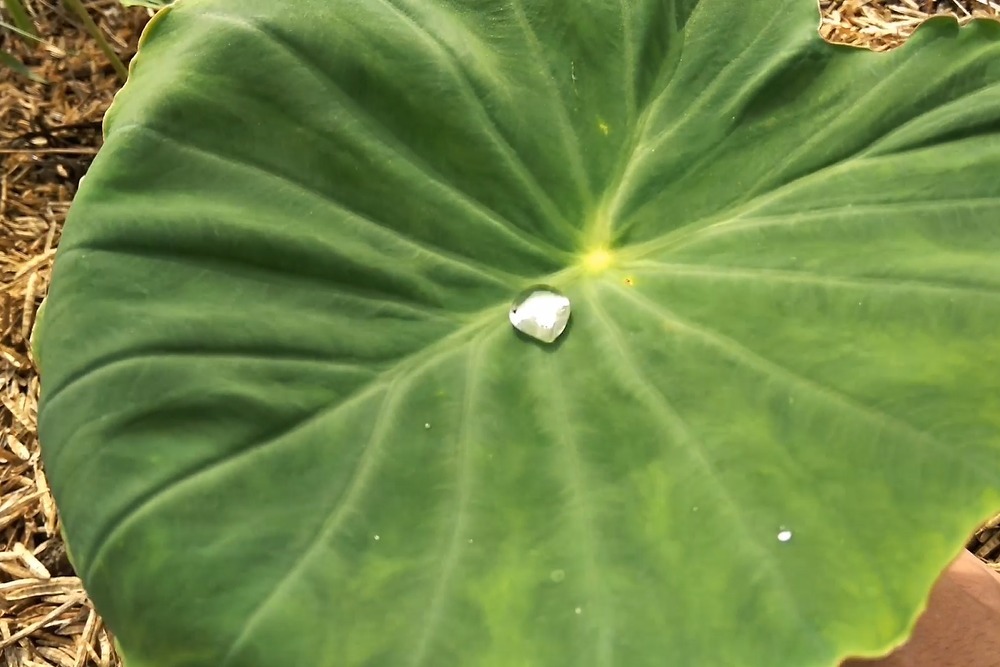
point(49, 133)
point(882, 25)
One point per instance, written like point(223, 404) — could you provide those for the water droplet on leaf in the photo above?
point(540, 312)
point(578, 610)
point(377, 538)
point(557, 575)
point(427, 424)
point(784, 535)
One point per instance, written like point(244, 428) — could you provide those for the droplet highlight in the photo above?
point(540, 312)
point(784, 535)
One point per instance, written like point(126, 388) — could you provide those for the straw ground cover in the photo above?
point(48, 136)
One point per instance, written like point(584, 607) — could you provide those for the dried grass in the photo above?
point(48, 135)
point(883, 25)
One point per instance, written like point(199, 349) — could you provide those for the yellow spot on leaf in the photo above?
point(597, 260)
point(603, 127)
point(629, 281)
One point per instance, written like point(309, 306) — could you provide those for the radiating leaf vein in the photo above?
point(738, 352)
point(568, 135)
point(405, 368)
point(561, 425)
point(673, 425)
point(384, 233)
point(511, 157)
point(872, 214)
point(336, 512)
point(397, 149)
point(794, 277)
point(463, 493)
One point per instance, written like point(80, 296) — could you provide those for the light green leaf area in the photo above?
point(287, 420)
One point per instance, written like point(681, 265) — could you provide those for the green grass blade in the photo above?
point(7, 60)
point(19, 15)
point(88, 23)
point(22, 33)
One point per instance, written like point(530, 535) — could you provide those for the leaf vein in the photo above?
point(397, 149)
point(574, 478)
point(676, 428)
point(743, 355)
point(568, 135)
point(449, 562)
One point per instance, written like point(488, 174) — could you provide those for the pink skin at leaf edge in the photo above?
point(961, 625)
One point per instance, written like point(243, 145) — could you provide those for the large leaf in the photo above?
point(288, 423)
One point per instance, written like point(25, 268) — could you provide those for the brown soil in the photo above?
point(49, 134)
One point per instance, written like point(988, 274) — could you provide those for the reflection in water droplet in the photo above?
point(540, 312)
point(784, 535)
point(377, 538)
point(578, 610)
point(557, 575)
point(427, 424)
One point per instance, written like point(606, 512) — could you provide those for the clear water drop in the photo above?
point(377, 538)
point(578, 610)
point(557, 575)
point(427, 424)
point(540, 312)
point(784, 535)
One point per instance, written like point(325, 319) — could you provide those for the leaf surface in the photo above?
point(288, 422)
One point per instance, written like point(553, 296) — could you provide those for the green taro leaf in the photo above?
point(288, 422)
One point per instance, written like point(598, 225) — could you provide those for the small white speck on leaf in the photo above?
point(784, 535)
